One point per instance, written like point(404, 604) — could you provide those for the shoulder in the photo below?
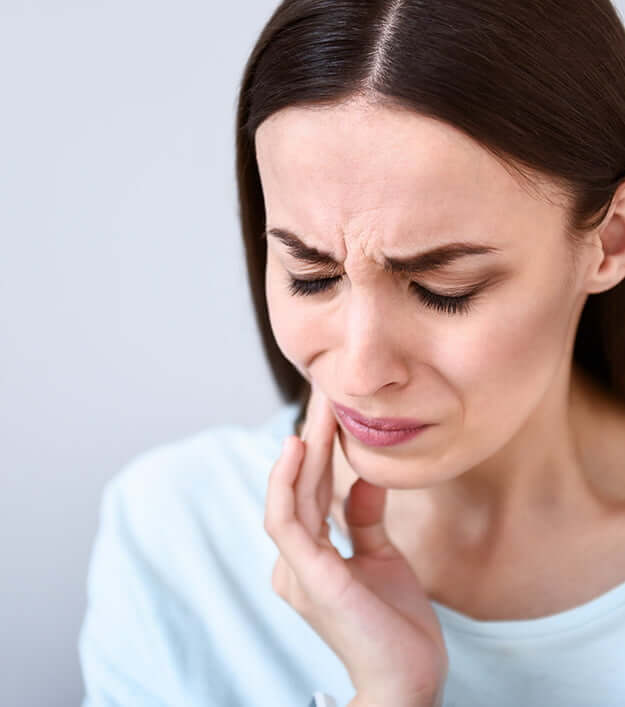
point(172, 484)
point(175, 526)
point(179, 584)
point(184, 512)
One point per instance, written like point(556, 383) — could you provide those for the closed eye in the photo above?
point(459, 304)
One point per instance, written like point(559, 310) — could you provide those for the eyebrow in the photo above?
point(417, 264)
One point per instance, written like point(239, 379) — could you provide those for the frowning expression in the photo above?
point(410, 274)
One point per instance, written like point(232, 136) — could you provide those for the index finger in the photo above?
point(313, 489)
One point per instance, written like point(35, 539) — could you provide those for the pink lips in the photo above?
point(366, 430)
point(380, 423)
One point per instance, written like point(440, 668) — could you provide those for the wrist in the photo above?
point(362, 700)
point(429, 699)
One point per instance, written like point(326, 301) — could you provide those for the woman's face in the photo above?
point(367, 183)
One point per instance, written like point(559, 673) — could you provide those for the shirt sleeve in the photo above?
point(136, 640)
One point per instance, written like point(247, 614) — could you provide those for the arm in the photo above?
point(417, 701)
point(137, 634)
point(114, 649)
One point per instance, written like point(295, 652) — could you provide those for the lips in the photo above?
point(380, 423)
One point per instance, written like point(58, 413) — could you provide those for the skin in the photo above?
point(525, 452)
point(371, 608)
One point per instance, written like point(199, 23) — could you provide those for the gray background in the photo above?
point(125, 316)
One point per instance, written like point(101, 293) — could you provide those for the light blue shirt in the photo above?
point(181, 611)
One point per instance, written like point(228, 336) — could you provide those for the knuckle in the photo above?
point(302, 603)
point(278, 588)
point(278, 582)
point(271, 525)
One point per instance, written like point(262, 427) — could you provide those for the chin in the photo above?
point(373, 471)
point(392, 473)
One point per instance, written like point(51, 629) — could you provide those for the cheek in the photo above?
point(287, 316)
point(508, 362)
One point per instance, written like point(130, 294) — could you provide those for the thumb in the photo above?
point(364, 514)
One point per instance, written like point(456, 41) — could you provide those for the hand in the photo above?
point(370, 608)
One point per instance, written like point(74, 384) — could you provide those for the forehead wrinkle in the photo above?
point(362, 244)
point(363, 256)
point(314, 149)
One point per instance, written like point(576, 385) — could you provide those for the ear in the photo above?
point(609, 268)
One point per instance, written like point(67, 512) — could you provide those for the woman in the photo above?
point(433, 210)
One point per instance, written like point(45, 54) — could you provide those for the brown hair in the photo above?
point(540, 84)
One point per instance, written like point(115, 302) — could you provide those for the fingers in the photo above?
point(299, 493)
point(313, 491)
point(364, 514)
point(309, 560)
point(281, 521)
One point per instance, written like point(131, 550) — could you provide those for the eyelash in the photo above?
point(441, 303)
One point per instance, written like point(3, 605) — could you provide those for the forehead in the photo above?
point(326, 170)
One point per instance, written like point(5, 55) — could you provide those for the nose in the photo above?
point(370, 355)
